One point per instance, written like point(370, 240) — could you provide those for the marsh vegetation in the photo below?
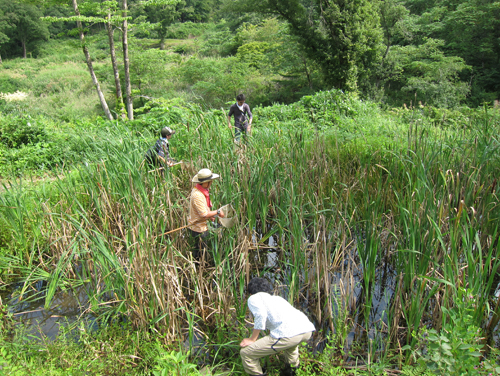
point(374, 208)
point(379, 225)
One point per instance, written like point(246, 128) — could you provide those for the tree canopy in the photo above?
point(395, 51)
point(22, 27)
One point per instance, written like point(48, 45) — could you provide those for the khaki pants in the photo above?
point(268, 345)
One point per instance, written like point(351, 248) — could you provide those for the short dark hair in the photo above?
point(240, 97)
point(259, 284)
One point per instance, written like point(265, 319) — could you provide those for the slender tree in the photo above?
point(5, 26)
point(120, 107)
point(126, 62)
point(88, 59)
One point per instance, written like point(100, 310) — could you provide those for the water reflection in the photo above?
point(67, 307)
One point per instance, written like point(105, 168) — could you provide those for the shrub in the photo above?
point(186, 29)
point(456, 348)
point(15, 132)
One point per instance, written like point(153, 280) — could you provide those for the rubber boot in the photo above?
point(289, 370)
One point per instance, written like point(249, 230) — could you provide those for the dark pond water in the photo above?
point(67, 308)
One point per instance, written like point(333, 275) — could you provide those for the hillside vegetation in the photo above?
point(367, 191)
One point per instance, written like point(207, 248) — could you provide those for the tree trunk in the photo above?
point(308, 75)
point(24, 49)
point(120, 107)
point(89, 65)
point(126, 64)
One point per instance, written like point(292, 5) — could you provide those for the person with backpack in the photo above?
point(159, 154)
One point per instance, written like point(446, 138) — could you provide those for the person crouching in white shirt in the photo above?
point(288, 328)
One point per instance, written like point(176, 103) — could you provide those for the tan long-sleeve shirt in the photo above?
point(198, 209)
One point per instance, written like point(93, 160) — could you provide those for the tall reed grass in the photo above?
point(424, 209)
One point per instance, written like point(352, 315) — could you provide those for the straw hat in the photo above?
point(204, 175)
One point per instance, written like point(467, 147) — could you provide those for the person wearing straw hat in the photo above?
point(287, 326)
point(200, 209)
point(159, 154)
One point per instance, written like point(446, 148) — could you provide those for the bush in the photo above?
point(8, 84)
point(16, 132)
point(456, 348)
point(186, 30)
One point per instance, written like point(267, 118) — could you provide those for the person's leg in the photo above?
point(291, 352)
point(237, 134)
point(250, 355)
point(244, 132)
point(203, 244)
point(198, 243)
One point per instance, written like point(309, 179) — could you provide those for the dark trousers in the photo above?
point(238, 131)
point(198, 242)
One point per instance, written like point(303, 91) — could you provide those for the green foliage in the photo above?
point(344, 47)
point(173, 363)
point(17, 132)
point(146, 76)
point(469, 29)
point(161, 14)
point(456, 348)
point(218, 81)
point(416, 370)
point(442, 53)
point(253, 53)
point(327, 164)
point(25, 28)
point(114, 349)
point(434, 77)
point(185, 30)
point(218, 40)
point(8, 84)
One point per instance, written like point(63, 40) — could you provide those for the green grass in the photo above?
point(416, 198)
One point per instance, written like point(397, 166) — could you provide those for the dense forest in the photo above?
point(439, 53)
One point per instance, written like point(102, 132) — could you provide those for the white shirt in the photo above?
point(276, 314)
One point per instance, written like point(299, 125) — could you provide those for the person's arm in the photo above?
point(259, 313)
point(250, 118)
point(252, 339)
point(201, 208)
point(231, 110)
point(166, 152)
point(213, 213)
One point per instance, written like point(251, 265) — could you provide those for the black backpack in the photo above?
point(151, 155)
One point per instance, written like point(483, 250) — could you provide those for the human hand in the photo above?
point(221, 214)
point(246, 342)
